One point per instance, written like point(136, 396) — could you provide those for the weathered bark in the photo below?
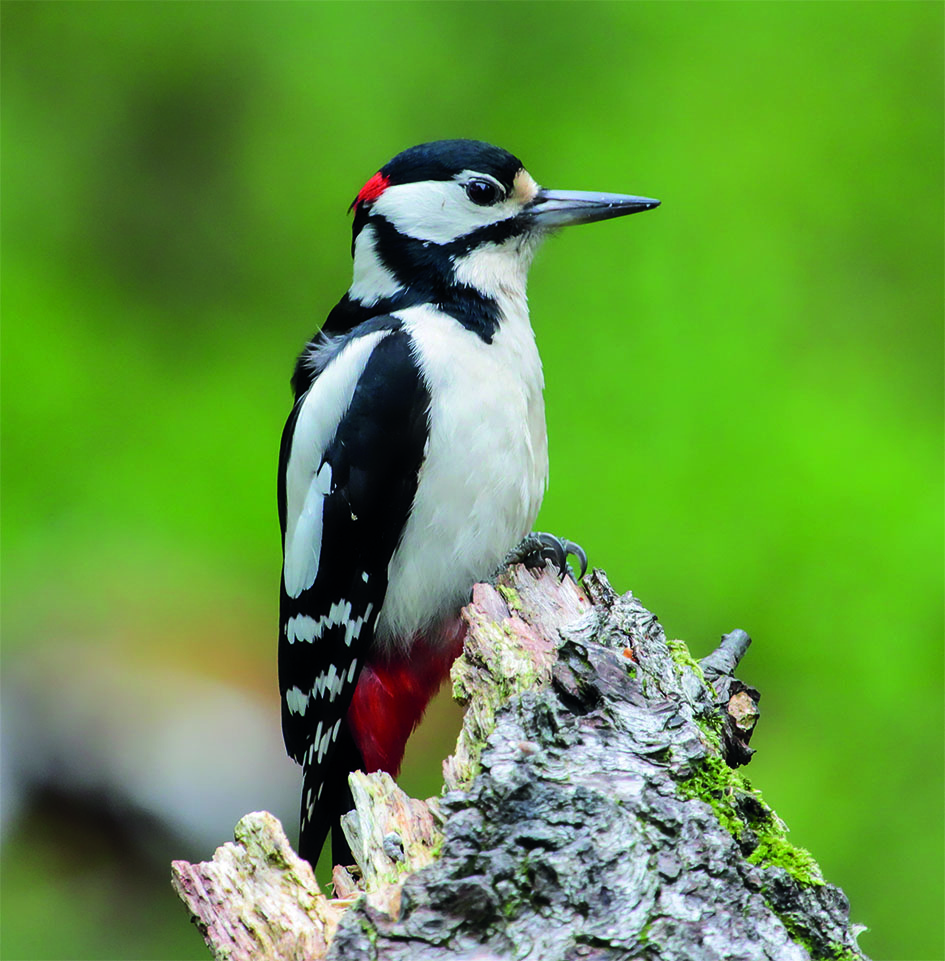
point(590, 810)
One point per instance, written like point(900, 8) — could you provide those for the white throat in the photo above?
point(499, 271)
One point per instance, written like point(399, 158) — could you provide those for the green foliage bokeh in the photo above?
point(744, 388)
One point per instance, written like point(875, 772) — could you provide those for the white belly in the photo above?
point(485, 467)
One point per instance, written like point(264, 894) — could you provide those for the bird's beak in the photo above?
point(559, 208)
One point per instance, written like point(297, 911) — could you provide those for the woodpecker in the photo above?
point(415, 456)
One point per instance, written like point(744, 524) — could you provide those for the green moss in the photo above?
point(742, 811)
point(711, 723)
point(369, 930)
point(833, 951)
point(680, 654)
point(511, 909)
point(511, 597)
point(839, 953)
point(713, 783)
point(799, 863)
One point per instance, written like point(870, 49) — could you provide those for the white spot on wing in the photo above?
point(330, 683)
point(339, 612)
point(353, 629)
point(296, 701)
point(323, 745)
point(304, 628)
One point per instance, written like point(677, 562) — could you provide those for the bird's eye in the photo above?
point(483, 192)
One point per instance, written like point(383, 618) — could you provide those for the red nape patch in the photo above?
point(372, 189)
point(393, 693)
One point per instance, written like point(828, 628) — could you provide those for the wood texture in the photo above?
point(591, 810)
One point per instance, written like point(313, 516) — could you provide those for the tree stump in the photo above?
point(591, 810)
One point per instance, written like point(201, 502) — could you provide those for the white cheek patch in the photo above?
point(438, 210)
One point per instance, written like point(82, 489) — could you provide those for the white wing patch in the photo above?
point(308, 481)
point(303, 552)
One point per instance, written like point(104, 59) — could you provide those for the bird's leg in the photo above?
point(536, 548)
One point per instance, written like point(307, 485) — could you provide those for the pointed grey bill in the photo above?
point(559, 208)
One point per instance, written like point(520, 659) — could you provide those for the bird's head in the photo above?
point(461, 213)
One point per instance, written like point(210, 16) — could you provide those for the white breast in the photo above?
point(485, 468)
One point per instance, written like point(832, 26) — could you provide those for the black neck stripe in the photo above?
point(426, 273)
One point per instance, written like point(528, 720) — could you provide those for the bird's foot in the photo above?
point(536, 548)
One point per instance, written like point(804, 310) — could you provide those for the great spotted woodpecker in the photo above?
point(415, 457)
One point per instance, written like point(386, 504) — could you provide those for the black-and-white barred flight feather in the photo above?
point(350, 454)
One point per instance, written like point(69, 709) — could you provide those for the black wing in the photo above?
point(363, 483)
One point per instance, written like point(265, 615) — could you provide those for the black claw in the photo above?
point(577, 551)
point(552, 549)
point(537, 548)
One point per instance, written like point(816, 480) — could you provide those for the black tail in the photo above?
point(332, 776)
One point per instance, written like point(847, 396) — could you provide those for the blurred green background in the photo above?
point(744, 395)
